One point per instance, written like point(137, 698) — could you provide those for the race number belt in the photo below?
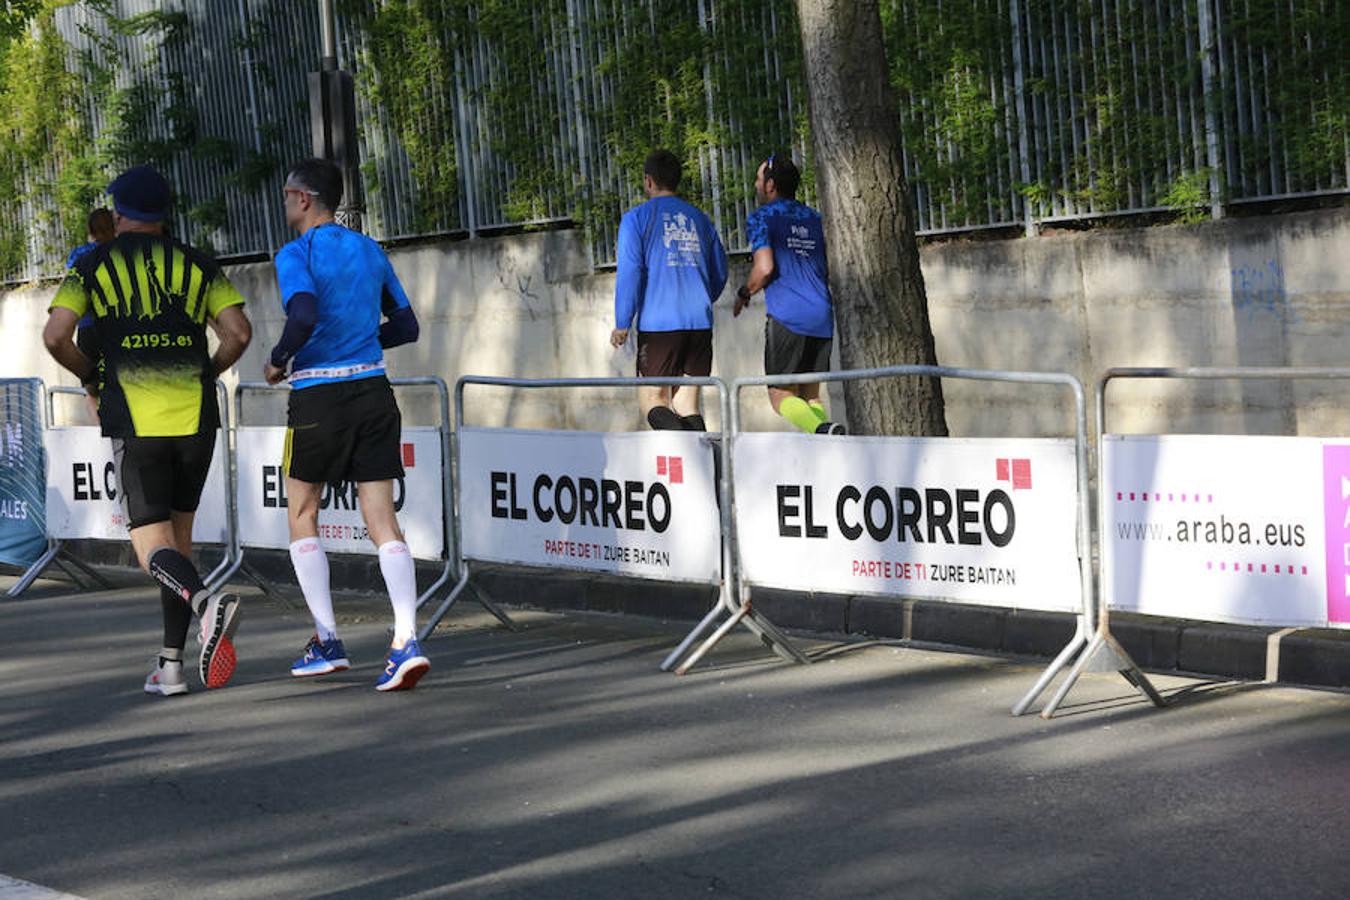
point(337, 372)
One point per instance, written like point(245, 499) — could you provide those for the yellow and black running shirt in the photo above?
point(150, 297)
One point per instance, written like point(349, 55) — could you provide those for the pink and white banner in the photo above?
point(1245, 529)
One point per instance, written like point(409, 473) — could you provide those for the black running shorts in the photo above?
point(670, 354)
point(789, 353)
point(344, 431)
point(158, 476)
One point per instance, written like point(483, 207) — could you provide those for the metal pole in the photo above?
point(1020, 98)
point(328, 61)
point(216, 579)
point(1210, 99)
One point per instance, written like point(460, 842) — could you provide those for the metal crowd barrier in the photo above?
point(1103, 644)
point(1087, 618)
point(448, 531)
point(57, 554)
point(727, 603)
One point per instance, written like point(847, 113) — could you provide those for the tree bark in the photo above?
point(880, 306)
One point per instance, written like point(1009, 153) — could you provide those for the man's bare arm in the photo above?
point(235, 333)
point(59, 338)
point(761, 273)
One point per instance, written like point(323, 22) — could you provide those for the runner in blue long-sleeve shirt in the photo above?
point(672, 268)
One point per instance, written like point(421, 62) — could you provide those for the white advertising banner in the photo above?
point(418, 496)
point(82, 491)
point(1245, 529)
point(641, 504)
point(987, 521)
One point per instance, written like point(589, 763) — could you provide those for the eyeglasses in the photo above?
point(295, 190)
point(768, 166)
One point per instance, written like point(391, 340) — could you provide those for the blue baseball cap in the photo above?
point(141, 193)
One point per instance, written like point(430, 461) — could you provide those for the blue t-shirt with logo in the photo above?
point(672, 267)
point(355, 285)
point(799, 294)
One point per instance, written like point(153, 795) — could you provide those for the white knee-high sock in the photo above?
point(400, 576)
point(311, 570)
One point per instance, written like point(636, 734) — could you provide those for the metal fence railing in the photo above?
point(1014, 113)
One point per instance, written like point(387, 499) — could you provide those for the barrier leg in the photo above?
point(761, 627)
point(268, 591)
point(684, 645)
point(722, 630)
point(70, 572)
point(99, 580)
point(32, 573)
point(485, 600)
point(235, 559)
point(436, 585)
point(223, 570)
point(1062, 660)
point(771, 635)
point(444, 608)
point(1104, 654)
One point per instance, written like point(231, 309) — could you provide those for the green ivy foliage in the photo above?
point(55, 160)
point(557, 102)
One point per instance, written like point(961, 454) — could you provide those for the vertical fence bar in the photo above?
point(1210, 99)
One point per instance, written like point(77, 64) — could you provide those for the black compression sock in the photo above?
point(176, 572)
point(663, 418)
point(177, 619)
point(694, 423)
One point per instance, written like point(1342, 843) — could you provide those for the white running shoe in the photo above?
point(166, 678)
point(220, 618)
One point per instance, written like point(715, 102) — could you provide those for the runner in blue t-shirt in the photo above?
point(671, 269)
point(344, 425)
point(789, 265)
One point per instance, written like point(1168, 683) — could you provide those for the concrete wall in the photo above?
point(1260, 291)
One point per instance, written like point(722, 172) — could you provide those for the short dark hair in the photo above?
point(665, 169)
point(100, 225)
point(784, 173)
point(322, 177)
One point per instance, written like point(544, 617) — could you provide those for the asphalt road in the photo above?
point(560, 763)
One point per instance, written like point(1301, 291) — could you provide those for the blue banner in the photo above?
point(23, 474)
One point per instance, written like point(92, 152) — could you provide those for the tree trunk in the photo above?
point(880, 307)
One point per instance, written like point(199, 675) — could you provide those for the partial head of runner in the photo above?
point(312, 193)
point(101, 226)
point(661, 173)
point(776, 177)
point(141, 198)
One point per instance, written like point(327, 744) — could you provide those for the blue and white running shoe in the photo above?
point(403, 669)
point(321, 658)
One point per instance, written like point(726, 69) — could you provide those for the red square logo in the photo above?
point(1002, 470)
point(1021, 474)
point(409, 456)
point(671, 467)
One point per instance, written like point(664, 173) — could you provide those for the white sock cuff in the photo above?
point(306, 545)
point(393, 548)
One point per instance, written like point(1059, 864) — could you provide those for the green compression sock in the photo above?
point(819, 409)
point(796, 411)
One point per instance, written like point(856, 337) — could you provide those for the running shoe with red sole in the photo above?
point(220, 619)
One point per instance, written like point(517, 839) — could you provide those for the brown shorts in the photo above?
point(670, 354)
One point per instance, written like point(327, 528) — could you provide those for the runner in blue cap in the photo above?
point(152, 298)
